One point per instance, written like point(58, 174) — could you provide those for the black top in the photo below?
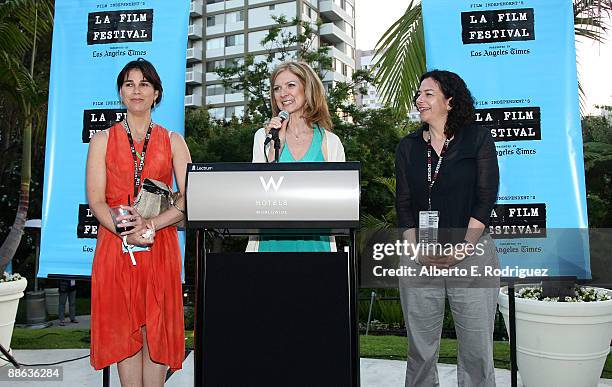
point(466, 186)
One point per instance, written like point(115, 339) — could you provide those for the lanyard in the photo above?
point(431, 180)
point(138, 166)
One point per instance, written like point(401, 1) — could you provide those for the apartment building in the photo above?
point(373, 100)
point(222, 32)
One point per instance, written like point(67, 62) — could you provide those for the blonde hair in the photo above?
point(315, 109)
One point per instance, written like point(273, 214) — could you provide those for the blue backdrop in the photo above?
point(92, 41)
point(519, 60)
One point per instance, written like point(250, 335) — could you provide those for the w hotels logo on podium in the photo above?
point(271, 183)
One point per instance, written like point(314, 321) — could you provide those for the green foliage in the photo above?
point(386, 308)
point(372, 139)
point(597, 129)
point(597, 136)
point(400, 57)
point(217, 141)
point(23, 113)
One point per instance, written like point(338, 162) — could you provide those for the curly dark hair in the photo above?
point(462, 102)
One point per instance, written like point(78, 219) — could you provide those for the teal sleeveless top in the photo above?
point(313, 243)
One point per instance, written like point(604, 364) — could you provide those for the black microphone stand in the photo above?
point(277, 145)
point(9, 357)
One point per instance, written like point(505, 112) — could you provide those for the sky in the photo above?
point(374, 17)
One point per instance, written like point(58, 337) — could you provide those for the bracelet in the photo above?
point(178, 209)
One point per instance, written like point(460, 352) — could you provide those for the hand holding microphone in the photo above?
point(275, 127)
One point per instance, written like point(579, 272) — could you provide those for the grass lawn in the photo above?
point(378, 347)
point(83, 306)
point(55, 338)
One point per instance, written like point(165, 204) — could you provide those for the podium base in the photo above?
point(286, 318)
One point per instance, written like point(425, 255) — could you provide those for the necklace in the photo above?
point(295, 133)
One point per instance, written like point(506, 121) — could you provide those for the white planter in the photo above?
point(10, 293)
point(560, 343)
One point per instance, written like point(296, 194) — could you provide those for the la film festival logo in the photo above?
point(502, 25)
point(511, 124)
point(120, 26)
point(88, 224)
point(526, 220)
point(95, 120)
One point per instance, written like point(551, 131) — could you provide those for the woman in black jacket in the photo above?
point(447, 182)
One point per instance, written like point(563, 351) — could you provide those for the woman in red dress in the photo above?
point(136, 309)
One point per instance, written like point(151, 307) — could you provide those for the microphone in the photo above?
point(273, 133)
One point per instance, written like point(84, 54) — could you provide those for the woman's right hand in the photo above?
point(132, 221)
point(276, 122)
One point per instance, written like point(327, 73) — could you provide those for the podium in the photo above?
point(275, 319)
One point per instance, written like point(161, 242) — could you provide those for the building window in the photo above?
point(234, 40)
point(217, 113)
point(308, 11)
point(214, 1)
point(233, 88)
point(234, 17)
point(233, 62)
point(214, 20)
point(212, 65)
point(215, 90)
point(214, 44)
point(344, 69)
point(230, 111)
point(349, 9)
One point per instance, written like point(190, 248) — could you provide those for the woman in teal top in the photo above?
point(305, 137)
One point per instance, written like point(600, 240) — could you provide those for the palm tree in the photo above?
point(22, 22)
point(400, 53)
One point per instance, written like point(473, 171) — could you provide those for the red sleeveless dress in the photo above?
point(124, 297)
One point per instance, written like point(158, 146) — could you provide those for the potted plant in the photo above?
point(11, 290)
point(560, 342)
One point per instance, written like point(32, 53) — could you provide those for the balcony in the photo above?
point(195, 8)
point(194, 55)
point(332, 76)
point(193, 77)
point(329, 10)
point(332, 33)
point(215, 99)
point(335, 53)
point(195, 31)
point(193, 100)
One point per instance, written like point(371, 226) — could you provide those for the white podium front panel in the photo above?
point(273, 194)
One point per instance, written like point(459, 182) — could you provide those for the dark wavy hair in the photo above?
point(148, 72)
point(462, 102)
